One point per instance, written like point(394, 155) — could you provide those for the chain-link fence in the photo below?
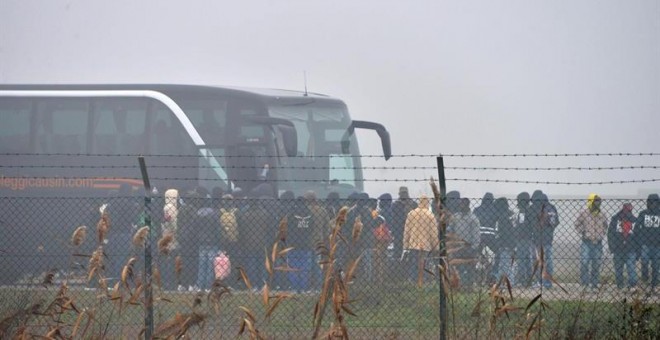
point(296, 267)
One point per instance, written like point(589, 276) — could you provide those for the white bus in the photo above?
point(61, 140)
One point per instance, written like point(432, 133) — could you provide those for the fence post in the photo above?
point(149, 317)
point(442, 262)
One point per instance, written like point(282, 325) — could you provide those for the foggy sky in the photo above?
point(443, 76)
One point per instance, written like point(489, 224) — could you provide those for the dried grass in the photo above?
point(140, 237)
point(79, 236)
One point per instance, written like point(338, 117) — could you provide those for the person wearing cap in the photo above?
point(591, 224)
point(621, 242)
point(648, 227)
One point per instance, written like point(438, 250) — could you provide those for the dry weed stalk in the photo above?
point(179, 325)
point(335, 283)
point(79, 236)
point(140, 237)
point(178, 268)
point(165, 243)
point(96, 265)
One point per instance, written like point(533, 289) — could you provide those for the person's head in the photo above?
point(362, 199)
point(403, 192)
point(423, 202)
point(287, 196)
point(372, 203)
point(522, 200)
point(488, 199)
point(537, 196)
point(464, 205)
point(653, 202)
point(452, 201)
point(593, 202)
point(385, 201)
point(501, 205)
point(310, 196)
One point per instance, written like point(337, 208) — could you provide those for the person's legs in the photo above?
point(549, 264)
point(618, 260)
point(630, 260)
point(523, 263)
point(654, 259)
point(584, 263)
point(506, 265)
point(597, 256)
point(644, 259)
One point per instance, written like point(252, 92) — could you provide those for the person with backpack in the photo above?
point(621, 240)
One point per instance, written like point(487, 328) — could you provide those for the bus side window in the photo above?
point(168, 137)
point(15, 126)
point(62, 125)
point(119, 126)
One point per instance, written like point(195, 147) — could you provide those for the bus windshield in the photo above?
point(320, 128)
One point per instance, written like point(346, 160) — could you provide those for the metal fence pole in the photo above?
point(149, 317)
point(442, 262)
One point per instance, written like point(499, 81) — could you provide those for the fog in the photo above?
point(445, 77)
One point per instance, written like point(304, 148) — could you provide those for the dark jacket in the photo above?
point(487, 216)
point(648, 222)
point(257, 227)
point(618, 240)
point(543, 219)
point(300, 226)
point(506, 237)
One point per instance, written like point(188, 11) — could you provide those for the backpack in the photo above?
point(229, 223)
point(221, 266)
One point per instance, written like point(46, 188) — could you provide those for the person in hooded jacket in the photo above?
point(648, 226)
point(524, 245)
point(623, 246)
point(420, 237)
point(591, 225)
point(506, 239)
point(544, 220)
point(487, 216)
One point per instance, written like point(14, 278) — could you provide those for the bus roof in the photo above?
point(178, 89)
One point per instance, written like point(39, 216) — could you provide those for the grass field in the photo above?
point(403, 312)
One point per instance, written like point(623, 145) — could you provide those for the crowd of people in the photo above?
point(399, 241)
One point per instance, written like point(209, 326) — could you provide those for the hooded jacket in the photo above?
point(648, 223)
point(487, 216)
point(591, 224)
point(421, 231)
point(543, 221)
point(621, 234)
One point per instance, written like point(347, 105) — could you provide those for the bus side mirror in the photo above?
point(379, 128)
point(286, 127)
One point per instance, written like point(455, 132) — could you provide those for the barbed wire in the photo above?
point(553, 182)
point(348, 180)
point(567, 168)
point(514, 155)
